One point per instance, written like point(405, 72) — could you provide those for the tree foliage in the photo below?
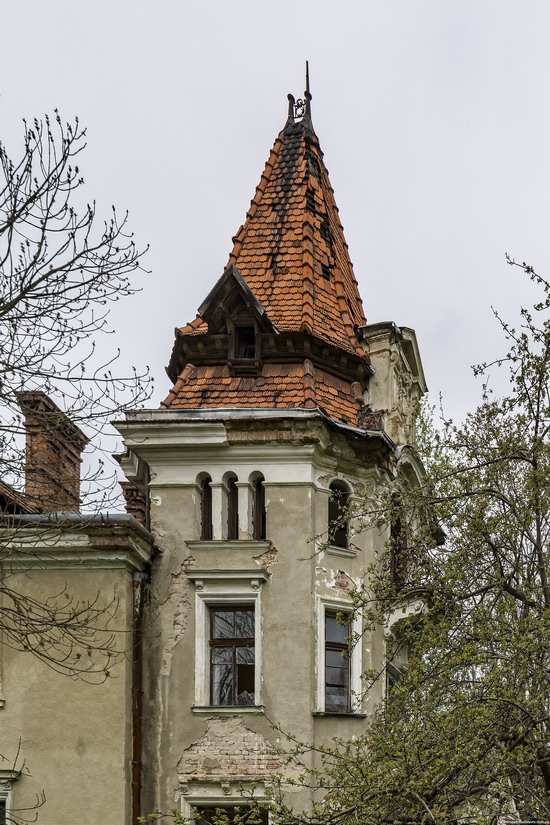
point(464, 735)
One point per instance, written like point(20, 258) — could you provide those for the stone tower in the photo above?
point(286, 409)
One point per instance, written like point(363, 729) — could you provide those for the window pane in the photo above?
point(336, 631)
point(244, 624)
point(245, 655)
point(336, 699)
point(3, 811)
point(232, 656)
point(336, 658)
point(232, 624)
point(222, 655)
point(337, 676)
point(222, 685)
point(223, 624)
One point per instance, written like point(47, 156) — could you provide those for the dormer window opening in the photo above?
point(338, 515)
point(310, 200)
point(325, 271)
point(245, 342)
point(232, 508)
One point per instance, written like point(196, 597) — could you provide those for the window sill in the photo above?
point(332, 550)
point(228, 709)
point(252, 545)
point(348, 713)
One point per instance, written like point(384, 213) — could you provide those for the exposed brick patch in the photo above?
point(267, 559)
point(230, 751)
point(344, 582)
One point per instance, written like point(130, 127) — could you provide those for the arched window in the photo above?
point(206, 507)
point(232, 507)
point(258, 508)
point(338, 514)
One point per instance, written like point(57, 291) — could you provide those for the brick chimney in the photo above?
point(53, 447)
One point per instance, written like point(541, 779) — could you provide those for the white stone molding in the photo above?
point(218, 587)
point(222, 794)
point(324, 604)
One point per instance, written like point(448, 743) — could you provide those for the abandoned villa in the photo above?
point(226, 586)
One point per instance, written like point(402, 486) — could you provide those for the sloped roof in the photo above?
point(278, 386)
point(290, 266)
point(291, 250)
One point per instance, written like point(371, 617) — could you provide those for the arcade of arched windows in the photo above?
point(241, 504)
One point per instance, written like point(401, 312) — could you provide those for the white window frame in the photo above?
point(220, 794)
point(6, 778)
point(229, 587)
point(328, 605)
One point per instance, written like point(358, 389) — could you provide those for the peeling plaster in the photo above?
point(179, 607)
point(229, 751)
point(267, 559)
point(344, 582)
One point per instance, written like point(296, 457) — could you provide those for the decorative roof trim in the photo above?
point(231, 272)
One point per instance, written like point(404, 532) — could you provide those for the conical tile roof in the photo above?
point(292, 256)
point(291, 249)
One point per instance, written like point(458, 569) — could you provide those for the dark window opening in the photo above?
point(232, 662)
point(338, 515)
point(310, 200)
point(245, 342)
point(258, 509)
point(337, 662)
point(206, 509)
point(232, 509)
point(325, 271)
point(231, 815)
point(3, 812)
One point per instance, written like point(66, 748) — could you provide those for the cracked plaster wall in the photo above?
point(299, 569)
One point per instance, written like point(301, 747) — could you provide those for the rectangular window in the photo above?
point(230, 815)
point(232, 655)
point(337, 662)
point(397, 660)
point(3, 810)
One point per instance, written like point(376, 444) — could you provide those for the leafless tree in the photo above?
point(61, 269)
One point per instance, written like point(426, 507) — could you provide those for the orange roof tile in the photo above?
point(292, 251)
point(290, 261)
point(278, 385)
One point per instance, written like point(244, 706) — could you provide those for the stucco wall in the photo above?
point(200, 749)
point(70, 739)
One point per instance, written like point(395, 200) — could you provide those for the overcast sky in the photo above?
point(433, 115)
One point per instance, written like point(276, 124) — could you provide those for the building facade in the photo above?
point(287, 411)
point(235, 578)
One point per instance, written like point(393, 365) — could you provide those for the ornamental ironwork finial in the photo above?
point(299, 111)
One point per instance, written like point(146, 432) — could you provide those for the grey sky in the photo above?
point(433, 115)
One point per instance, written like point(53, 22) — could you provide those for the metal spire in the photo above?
point(299, 111)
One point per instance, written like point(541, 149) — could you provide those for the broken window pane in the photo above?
point(232, 656)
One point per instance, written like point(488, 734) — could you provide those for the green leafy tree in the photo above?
point(464, 734)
